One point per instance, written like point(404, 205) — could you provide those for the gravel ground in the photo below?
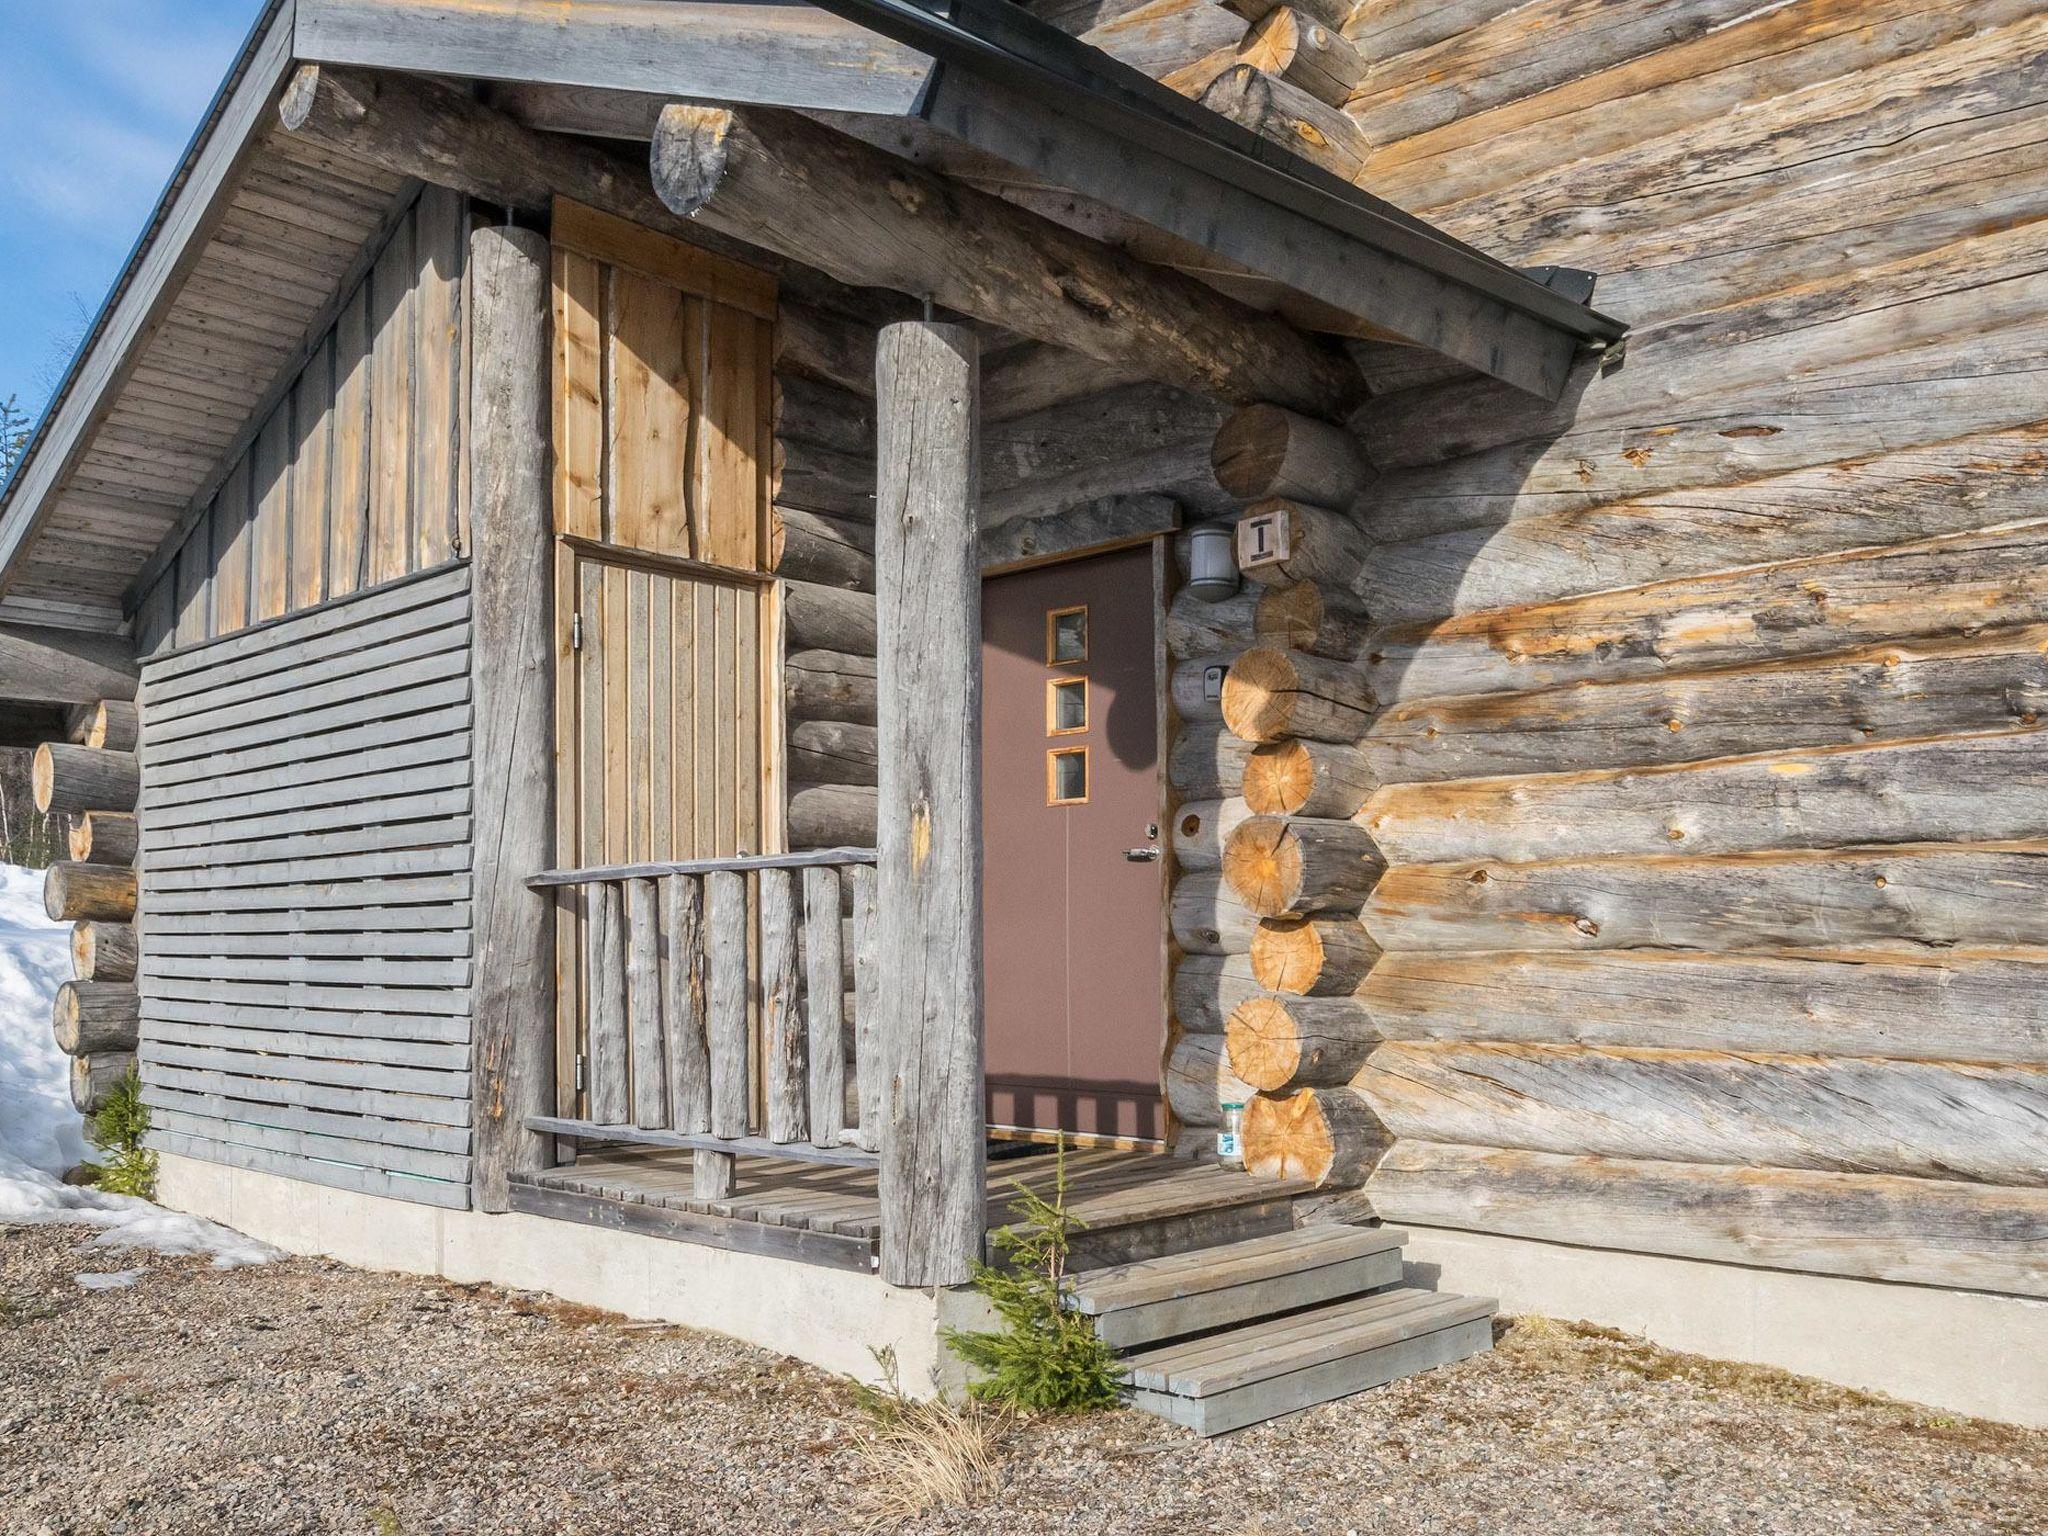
point(308, 1397)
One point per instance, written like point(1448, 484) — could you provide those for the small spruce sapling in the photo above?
point(1044, 1358)
point(116, 1129)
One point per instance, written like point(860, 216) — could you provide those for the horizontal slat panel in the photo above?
point(327, 1071)
point(360, 866)
point(386, 895)
point(247, 1032)
point(436, 1001)
point(414, 685)
point(348, 970)
point(392, 1133)
point(351, 751)
point(366, 921)
point(369, 1181)
point(195, 805)
point(394, 1028)
point(420, 821)
point(426, 1108)
point(412, 943)
point(347, 1149)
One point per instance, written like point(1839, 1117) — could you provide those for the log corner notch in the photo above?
point(778, 181)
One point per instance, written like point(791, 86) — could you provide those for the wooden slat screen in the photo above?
point(305, 887)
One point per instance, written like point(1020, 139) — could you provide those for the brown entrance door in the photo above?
point(1073, 881)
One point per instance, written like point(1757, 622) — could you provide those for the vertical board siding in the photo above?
point(355, 476)
point(305, 885)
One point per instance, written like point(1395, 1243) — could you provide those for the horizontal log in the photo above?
point(64, 666)
point(825, 551)
point(71, 780)
point(1940, 895)
point(1872, 1226)
point(1304, 542)
point(92, 1016)
point(1265, 450)
point(775, 180)
point(832, 816)
point(1134, 439)
point(1987, 1123)
point(1207, 763)
point(830, 685)
point(1270, 695)
point(832, 752)
point(1328, 1136)
point(1282, 113)
point(103, 951)
point(1196, 687)
point(94, 1078)
point(1307, 778)
point(1312, 956)
point(1284, 868)
point(1198, 627)
point(114, 726)
point(1206, 988)
point(1199, 1081)
point(822, 479)
point(1208, 918)
point(819, 618)
point(1030, 376)
point(75, 893)
point(1311, 616)
point(813, 410)
point(1980, 1005)
point(1200, 829)
point(1994, 681)
point(1278, 1043)
point(103, 837)
point(1970, 789)
point(830, 348)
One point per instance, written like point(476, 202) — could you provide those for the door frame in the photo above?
point(1166, 726)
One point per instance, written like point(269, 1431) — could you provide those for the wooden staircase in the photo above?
point(1217, 1339)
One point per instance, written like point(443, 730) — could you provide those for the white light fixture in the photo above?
point(1212, 562)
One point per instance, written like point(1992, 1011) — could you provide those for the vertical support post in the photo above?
point(512, 676)
point(928, 579)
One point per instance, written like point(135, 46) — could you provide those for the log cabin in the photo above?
point(674, 633)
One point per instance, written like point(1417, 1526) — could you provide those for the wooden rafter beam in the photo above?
point(793, 54)
point(781, 182)
point(63, 666)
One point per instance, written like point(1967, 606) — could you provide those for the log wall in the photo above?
point(355, 476)
point(304, 906)
point(1699, 717)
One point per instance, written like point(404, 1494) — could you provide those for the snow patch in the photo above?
point(40, 1134)
point(117, 1280)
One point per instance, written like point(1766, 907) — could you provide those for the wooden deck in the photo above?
point(1136, 1204)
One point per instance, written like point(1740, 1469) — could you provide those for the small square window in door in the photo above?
point(1066, 706)
point(1066, 636)
point(1066, 776)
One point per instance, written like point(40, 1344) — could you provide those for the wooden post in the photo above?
point(929, 826)
point(512, 660)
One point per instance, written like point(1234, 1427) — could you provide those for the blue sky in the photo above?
point(97, 100)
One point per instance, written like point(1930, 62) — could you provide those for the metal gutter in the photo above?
point(1001, 41)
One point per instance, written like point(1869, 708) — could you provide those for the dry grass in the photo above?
point(926, 1456)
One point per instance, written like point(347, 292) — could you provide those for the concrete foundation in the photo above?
point(1964, 1351)
point(832, 1318)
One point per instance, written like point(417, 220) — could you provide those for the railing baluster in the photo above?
point(725, 913)
point(643, 996)
point(868, 1067)
point(689, 1067)
point(606, 1046)
point(782, 1025)
point(825, 1005)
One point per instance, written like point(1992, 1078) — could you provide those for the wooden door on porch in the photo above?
point(1073, 880)
point(668, 718)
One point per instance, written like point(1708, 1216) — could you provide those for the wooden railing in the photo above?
point(684, 1014)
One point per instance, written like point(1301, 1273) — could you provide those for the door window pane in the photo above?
point(1066, 635)
point(1066, 706)
point(1066, 776)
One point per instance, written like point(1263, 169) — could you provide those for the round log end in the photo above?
point(1287, 954)
point(1262, 861)
point(1325, 1136)
point(64, 1018)
point(1258, 694)
point(690, 155)
point(43, 776)
point(96, 1076)
point(1249, 450)
point(1264, 1044)
point(1278, 778)
point(79, 840)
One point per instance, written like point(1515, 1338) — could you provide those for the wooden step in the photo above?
point(1184, 1293)
point(1218, 1382)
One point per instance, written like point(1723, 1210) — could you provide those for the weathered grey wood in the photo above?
point(870, 1048)
point(71, 780)
point(1875, 1226)
point(397, 1135)
point(740, 864)
point(1139, 438)
point(706, 1228)
point(433, 735)
point(103, 952)
point(829, 817)
point(452, 1193)
point(1198, 1080)
point(1278, 1042)
point(94, 1078)
point(1207, 762)
point(726, 923)
point(1929, 1119)
point(430, 1002)
point(1195, 686)
point(1198, 628)
point(1313, 956)
point(1818, 899)
point(927, 384)
point(361, 692)
point(376, 1076)
point(772, 180)
point(783, 1067)
point(353, 1098)
point(1265, 451)
point(64, 666)
point(351, 970)
point(703, 1143)
point(1331, 548)
point(246, 1031)
point(75, 893)
point(103, 837)
point(646, 1025)
point(799, 57)
point(1272, 694)
point(829, 685)
point(1283, 113)
point(1302, 50)
point(1312, 616)
point(689, 1061)
point(1209, 918)
point(115, 726)
point(511, 528)
point(1990, 788)
point(1200, 829)
point(824, 479)
point(606, 1049)
point(1101, 524)
point(1307, 778)
point(1207, 987)
point(1288, 867)
point(824, 1010)
point(1950, 1004)
point(828, 618)
point(1030, 376)
point(832, 752)
point(827, 551)
point(92, 1016)
point(365, 1153)
point(409, 861)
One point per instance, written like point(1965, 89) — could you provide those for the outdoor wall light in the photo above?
point(1212, 562)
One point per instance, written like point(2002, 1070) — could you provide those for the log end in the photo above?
point(1264, 1044)
point(43, 776)
point(1278, 778)
point(1323, 1136)
point(1258, 694)
point(64, 1018)
point(1262, 862)
point(690, 155)
point(1249, 450)
point(1287, 954)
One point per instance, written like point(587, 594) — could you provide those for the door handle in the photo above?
point(1141, 855)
